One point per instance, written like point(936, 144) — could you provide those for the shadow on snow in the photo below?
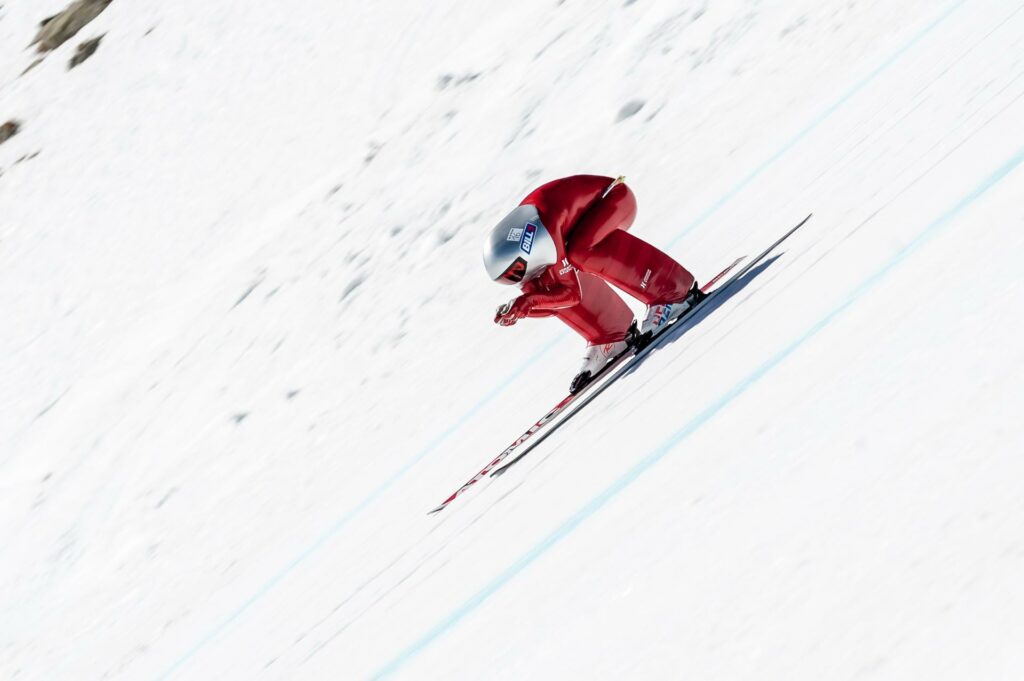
point(682, 327)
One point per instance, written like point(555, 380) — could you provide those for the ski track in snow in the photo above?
point(925, 144)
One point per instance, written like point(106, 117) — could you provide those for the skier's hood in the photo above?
point(519, 248)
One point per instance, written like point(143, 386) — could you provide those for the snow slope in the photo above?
point(246, 344)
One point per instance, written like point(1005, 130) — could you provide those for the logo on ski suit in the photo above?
point(661, 316)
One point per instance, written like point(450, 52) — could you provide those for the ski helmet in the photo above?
point(519, 248)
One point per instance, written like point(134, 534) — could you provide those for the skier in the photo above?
point(564, 243)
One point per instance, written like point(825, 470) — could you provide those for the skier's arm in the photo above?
point(556, 298)
point(540, 302)
point(536, 305)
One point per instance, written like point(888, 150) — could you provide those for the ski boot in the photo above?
point(594, 360)
point(661, 315)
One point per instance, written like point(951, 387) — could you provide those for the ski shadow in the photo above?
point(683, 327)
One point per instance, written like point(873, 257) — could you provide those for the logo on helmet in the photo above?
point(515, 272)
point(515, 234)
point(530, 231)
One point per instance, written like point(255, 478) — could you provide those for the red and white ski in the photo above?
point(532, 430)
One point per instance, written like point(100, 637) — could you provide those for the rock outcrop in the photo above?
point(58, 29)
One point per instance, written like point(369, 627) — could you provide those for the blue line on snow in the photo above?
point(818, 120)
point(352, 513)
point(657, 454)
point(461, 421)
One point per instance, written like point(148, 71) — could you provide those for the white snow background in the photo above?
point(246, 344)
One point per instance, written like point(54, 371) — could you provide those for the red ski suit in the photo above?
point(593, 248)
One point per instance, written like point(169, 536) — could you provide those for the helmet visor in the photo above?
point(515, 272)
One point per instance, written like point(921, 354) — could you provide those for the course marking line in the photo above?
point(815, 123)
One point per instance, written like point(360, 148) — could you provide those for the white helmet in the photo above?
point(519, 248)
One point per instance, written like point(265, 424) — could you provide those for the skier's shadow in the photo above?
point(683, 327)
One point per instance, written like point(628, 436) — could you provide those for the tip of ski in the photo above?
point(443, 505)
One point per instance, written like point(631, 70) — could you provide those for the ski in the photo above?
point(598, 383)
point(657, 340)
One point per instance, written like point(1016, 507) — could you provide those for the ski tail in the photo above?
point(708, 286)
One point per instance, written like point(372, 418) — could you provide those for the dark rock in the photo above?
point(35, 62)
point(9, 130)
point(84, 51)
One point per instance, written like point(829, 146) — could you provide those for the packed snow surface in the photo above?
point(246, 343)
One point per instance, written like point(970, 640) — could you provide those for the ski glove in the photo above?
point(512, 311)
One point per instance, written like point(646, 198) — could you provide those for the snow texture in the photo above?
point(246, 344)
